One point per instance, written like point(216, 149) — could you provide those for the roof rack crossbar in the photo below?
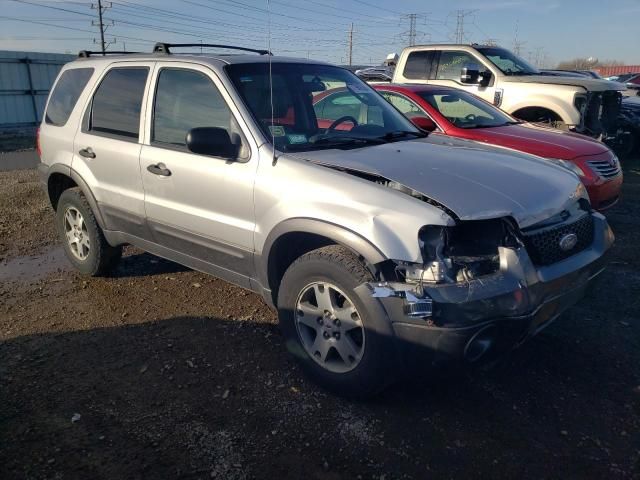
point(165, 47)
point(88, 53)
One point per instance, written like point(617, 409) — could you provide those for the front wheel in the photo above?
point(342, 342)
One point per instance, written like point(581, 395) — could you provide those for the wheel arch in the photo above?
point(295, 237)
point(527, 113)
point(62, 177)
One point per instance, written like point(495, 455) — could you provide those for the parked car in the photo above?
point(460, 114)
point(585, 105)
point(376, 74)
point(564, 73)
point(572, 73)
point(384, 252)
point(628, 139)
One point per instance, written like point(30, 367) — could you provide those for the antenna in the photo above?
point(273, 137)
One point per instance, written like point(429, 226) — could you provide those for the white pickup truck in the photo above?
point(585, 105)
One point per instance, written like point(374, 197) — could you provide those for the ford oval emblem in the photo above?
point(568, 241)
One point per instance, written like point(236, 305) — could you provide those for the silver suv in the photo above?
point(382, 250)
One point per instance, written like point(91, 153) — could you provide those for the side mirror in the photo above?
point(212, 141)
point(470, 75)
point(424, 123)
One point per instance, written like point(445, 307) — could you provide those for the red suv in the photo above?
point(460, 114)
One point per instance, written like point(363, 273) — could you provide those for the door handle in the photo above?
point(87, 153)
point(159, 169)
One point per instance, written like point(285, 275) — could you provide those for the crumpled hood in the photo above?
point(473, 180)
point(591, 84)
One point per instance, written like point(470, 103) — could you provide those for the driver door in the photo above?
point(198, 206)
point(449, 67)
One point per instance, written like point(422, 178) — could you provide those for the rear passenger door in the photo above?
point(198, 205)
point(107, 146)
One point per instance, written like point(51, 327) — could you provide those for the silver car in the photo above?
point(383, 250)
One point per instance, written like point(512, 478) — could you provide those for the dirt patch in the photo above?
point(162, 372)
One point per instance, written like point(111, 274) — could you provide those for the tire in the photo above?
point(367, 333)
point(82, 238)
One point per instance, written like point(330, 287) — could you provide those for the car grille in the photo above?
point(604, 168)
point(544, 246)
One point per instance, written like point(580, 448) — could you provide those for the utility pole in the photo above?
point(103, 28)
point(351, 45)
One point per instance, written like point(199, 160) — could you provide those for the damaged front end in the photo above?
point(598, 113)
point(485, 286)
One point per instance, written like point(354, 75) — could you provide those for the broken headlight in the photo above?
point(462, 252)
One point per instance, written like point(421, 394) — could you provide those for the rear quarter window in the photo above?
point(65, 95)
point(418, 65)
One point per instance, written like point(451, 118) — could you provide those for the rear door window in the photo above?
point(117, 102)
point(418, 65)
point(65, 95)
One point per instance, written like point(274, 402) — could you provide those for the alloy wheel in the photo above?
point(329, 327)
point(75, 230)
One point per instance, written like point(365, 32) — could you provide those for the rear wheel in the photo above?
point(82, 237)
point(342, 342)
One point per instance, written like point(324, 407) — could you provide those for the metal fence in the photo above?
point(25, 81)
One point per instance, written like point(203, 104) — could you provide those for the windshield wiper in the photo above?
point(402, 134)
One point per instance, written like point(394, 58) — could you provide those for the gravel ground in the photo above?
point(162, 372)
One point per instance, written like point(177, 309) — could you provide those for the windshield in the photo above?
point(317, 106)
point(465, 110)
point(508, 62)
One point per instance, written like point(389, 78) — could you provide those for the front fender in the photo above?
point(336, 233)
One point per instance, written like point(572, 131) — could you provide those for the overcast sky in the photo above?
point(547, 30)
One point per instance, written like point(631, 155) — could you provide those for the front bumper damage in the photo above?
point(599, 113)
point(482, 318)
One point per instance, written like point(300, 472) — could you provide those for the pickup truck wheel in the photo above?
point(83, 240)
point(340, 342)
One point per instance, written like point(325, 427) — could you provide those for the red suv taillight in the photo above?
point(38, 150)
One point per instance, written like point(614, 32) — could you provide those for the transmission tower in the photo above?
point(101, 7)
point(412, 34)
point(460, 16)
point(517, 44)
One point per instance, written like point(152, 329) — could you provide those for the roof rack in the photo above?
point(165, 47)
point(88, 53)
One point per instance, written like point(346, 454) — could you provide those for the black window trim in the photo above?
point(183, 148)
point(53, 89)
point(86, 118)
